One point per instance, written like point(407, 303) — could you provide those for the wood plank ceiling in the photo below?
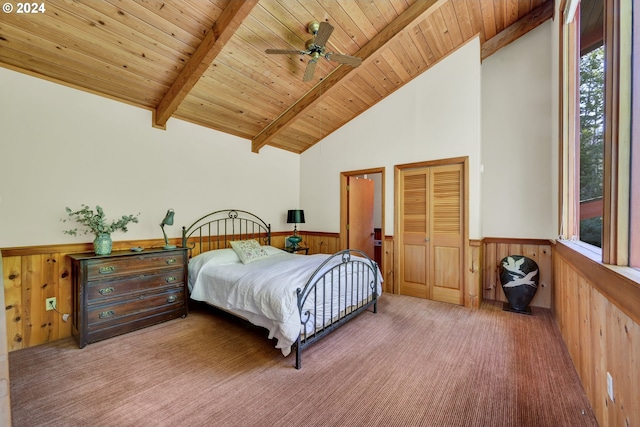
point(204, 61)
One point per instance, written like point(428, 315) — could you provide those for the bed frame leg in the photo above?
point(298, 355)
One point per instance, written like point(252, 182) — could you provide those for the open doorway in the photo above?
point(356, 212)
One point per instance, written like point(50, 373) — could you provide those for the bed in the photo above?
point(298, 298)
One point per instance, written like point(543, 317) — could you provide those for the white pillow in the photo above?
point(215, 257)
point(249, 250)
point(273, 251)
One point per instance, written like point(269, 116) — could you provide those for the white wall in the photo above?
point(62, 147)
point(435, 116)
point(499, 113)
point(519, 139)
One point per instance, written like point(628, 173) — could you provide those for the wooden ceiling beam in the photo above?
point(214, 41)
point(418, 10)
point(521, 27)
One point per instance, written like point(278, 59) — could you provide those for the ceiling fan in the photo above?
point(315, 48)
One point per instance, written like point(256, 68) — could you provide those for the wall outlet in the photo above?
point(610, 386)
point(51, 303)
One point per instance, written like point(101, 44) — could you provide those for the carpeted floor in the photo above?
point(414, 363)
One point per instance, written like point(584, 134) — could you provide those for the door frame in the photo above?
point(344, 179)
point(465, 220)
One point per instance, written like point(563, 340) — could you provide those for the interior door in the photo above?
point(414, 238)
point(431, 233)
point(360, 215)
point(446, 234)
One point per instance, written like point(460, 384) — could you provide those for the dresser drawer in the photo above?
point(99, 269)
point(131, 323)
point(101, 315)
point(99, 291)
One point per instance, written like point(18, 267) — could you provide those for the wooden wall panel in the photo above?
point(321, 243)
point(473, 294)
point(12, 280)
point(328, 243)
point(539, 250)
point(387, 265)
point(28, 281)
point(64, 294)
point(32, 274)
point(5, 386)
point(600, 338)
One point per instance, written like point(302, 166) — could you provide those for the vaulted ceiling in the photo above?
point(204, 61)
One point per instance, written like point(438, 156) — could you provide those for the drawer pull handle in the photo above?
point(106, 314)
point(107, 270)
point(171, 279)
point(106, 291)
point(172, 298)
point(171, 261)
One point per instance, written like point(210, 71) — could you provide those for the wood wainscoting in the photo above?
point(494, 249)
point(328, 243)
point(31, 274)
point(597, 309)
point(319, 242)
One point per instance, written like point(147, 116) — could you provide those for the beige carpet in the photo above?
point(415, 363)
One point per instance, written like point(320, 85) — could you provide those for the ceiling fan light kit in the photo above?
point(315, 48)
point(313, 27)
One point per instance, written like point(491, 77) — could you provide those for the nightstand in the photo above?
point(299, 249)
point(124, 291)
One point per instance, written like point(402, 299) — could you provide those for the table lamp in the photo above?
point(168, 220)
point(295, 216)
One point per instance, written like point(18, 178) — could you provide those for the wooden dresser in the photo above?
point(118, 293)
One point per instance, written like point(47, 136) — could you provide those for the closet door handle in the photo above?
point(426, 239)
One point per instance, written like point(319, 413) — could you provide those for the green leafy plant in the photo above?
point(95, 222)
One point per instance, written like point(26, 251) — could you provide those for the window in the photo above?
point(599, 167)
point(591, 145)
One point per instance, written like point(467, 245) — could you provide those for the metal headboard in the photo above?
point(217, 229)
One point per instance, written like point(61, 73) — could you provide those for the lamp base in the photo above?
point(169, 247)
point(294, 240)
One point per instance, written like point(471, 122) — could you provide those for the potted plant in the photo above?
point(95, 222)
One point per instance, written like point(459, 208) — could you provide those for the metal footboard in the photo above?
point(342, 287)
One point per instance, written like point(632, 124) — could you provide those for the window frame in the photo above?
point(617, 234)
point(634, 214)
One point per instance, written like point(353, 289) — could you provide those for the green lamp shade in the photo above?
point(295, 216)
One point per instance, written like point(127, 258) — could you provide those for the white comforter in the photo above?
point(263, 292)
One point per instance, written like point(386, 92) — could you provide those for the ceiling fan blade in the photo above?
point(285, 51)
point(308, 72)
point(323, 34)
point(344, 59)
